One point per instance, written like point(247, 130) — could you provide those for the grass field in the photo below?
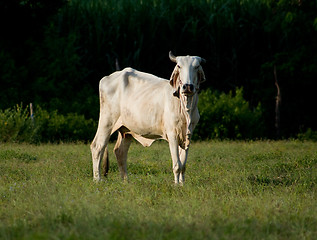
point(233, 190)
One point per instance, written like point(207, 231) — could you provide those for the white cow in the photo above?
point(145, 107)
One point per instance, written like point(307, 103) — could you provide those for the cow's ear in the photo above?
point(174, 77)
point(201, 75)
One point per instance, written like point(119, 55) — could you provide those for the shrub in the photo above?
point(228, 116)
point(309, 134)
point(72, 127)
point(17, 126)
point(222, 116)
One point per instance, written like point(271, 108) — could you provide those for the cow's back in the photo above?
point(129, 81)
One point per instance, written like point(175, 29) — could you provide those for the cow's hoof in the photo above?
point(98, 180)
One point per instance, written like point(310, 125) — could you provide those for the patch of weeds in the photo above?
point(264, 157)
point(64, 218)
point(14, 174)
point(299, 172)
point(270, 180)
point(143, 169)
point(13, 155)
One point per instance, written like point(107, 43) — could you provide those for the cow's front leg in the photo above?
point(98, 147)
point(173, 144)
point(183, 159)
point(97, 150)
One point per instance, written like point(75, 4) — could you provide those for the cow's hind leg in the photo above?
point(121, 151)
point(105, 162)
point(97, 148)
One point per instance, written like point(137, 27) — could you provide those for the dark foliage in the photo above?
point(54, 52)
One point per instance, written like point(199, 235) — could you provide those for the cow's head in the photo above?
point(187, 75)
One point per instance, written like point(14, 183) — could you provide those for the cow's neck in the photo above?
point(188, 106)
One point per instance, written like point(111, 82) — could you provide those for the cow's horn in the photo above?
point(202, 60)
point(172, 57)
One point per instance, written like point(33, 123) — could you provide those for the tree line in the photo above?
point(54, 52)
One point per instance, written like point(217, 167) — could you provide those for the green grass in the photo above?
point(233, 190)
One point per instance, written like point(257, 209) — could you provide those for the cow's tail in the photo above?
point(105, 162)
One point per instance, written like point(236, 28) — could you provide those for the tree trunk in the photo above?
point(278, 100)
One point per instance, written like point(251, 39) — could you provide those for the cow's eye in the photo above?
point(196, 67)
point(178, 66)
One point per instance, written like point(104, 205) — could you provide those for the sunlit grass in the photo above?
point(234, 190)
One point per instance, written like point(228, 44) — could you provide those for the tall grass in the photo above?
point(234, 190)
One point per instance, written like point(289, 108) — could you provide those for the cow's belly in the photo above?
point(143, 121)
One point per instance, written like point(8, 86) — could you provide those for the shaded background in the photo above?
point(54, 52)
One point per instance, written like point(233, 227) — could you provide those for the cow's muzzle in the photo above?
point(188, 89)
